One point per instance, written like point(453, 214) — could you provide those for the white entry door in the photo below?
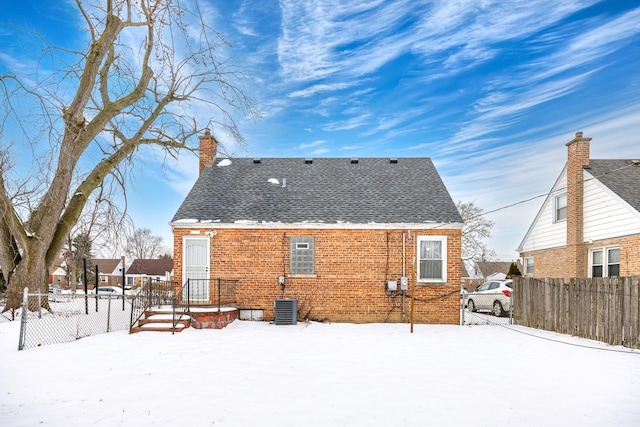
point(195, 268)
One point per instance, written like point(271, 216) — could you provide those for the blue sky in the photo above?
point(490, 90)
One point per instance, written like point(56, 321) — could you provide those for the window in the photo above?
point(432, 259)
point(302, 255)
point(528, 266)
point(604, 262)
point(560, 208)
point(130, 280)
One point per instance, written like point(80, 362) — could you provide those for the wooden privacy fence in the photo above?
point(602, 309)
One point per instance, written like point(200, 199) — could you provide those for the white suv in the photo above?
point(494, 296)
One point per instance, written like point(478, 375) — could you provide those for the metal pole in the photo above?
point(188, 294)
point(123, 279)
point(219, 282)
point(108, 312)
point(462, 301)
point(86, 291)
point(413, 298)
point(95, 288)
point(23, 319)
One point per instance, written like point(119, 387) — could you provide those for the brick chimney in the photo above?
point(208, 149)
point(577, 160)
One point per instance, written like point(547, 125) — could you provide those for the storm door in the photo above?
point(195, 268)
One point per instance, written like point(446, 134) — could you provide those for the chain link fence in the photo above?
point(486, 309)
point(57, 317)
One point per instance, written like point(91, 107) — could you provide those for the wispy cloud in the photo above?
point(311, 144)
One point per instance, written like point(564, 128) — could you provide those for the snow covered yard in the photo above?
point(255, 373)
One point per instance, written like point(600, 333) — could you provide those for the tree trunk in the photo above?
point(32, 275)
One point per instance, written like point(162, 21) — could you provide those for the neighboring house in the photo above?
point(328, 232)
point(589, 224)
point(58, 274)
point(109, 271)
point(483, 271)
point(141, 270)
point(465, 277)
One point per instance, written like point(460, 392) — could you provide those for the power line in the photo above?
point(549, 192)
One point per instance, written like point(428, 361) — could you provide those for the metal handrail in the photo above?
point(154, 292)
point(159, 292)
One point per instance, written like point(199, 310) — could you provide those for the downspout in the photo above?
point(404, 293)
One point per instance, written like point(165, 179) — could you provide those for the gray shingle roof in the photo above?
point(620, 176)
point(329, 190)
point(154, 267)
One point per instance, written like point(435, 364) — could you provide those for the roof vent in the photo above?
point(257, 160)
point(308, 161)
point(354, 160)
point(393, 160)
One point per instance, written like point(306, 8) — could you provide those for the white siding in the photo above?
point(544, 233)
point(606, 215)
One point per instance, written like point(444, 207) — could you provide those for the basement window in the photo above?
point(302, 255)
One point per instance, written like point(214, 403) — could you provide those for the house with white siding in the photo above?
point(589, 224)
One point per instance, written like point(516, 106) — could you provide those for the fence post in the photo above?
point(219, 284)
point(108, 313)
point(23, 319)
point(462, 301)
point(123, 282)
point(86, 288)
point(95, 288)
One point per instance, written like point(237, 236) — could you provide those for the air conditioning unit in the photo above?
point(286, 312)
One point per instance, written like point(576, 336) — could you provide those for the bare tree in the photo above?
point(476, 228)
point(146, 68)
point(143, 244)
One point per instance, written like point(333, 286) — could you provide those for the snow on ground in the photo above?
point(256, 373)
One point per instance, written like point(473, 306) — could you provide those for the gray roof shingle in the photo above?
point(329, 190)
point(621, 176)
point(153, 267)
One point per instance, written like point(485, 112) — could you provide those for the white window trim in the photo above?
point(555, 207)
point(524, 263)
point(442, 239)
point(605, 260)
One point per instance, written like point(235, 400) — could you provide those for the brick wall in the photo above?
point(549, 262)
point(351, 271)
point(552, 262)
point(208, 149)
point(577, 158)
point(629, 252)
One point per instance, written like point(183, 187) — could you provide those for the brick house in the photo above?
point(341, 236)
point(589, 224)
point(482, 271)
point(142, 270)
point(109, 271)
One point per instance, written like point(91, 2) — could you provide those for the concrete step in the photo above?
point(158, 327)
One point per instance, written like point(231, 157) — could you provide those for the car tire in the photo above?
point(497, 309)
point(472, 306)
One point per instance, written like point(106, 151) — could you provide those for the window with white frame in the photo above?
point(604, 262)
point(302, 255)
point(560, 208)
point(528, 266)
point(432, 259)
